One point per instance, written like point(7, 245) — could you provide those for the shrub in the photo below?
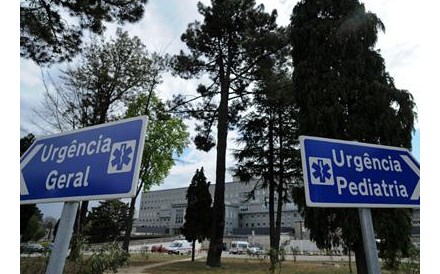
point(109, 257)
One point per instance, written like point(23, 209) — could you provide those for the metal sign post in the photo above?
point(62, 240)
point(369, 240)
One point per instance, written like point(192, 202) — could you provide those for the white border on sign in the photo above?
point(310, 203)
point(131, 193)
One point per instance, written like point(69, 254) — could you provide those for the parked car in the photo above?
point(238, 247)
point(31, 248)
point(180, 247)
point(158, 248)
point(255, 250)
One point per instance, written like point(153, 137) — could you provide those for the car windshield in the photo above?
point(175, 245)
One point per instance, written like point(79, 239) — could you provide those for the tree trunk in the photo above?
point(82, 216)
point(349, 261)
point(48, 234)
point(272, 230)
point(278, 220)
point(218, 224)
point(193, 250)
point(279, 186)
point(129, 221)
point(74, 244)
point(129, 224)
point(361, 262)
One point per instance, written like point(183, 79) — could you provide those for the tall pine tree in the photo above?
point(269, 135)
point(234, 37)
point(344, 92)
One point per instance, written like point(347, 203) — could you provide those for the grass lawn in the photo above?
point(245, 266)
point(36, 265)
point(229, 266)
point(152, 258)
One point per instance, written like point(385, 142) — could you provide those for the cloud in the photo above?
point(29, 74)
point(193, 159)
point(163, 23)
point(284, 9)
point(406, 51)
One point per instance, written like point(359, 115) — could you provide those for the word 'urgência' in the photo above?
point(75, 149)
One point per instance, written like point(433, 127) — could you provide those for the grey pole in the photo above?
point(62, 240)
point(369, 241)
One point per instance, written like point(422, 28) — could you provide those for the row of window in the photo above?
point(165, 197)
point(148, 220)
point(179, 216)
point(285, 215)
point(256, 224)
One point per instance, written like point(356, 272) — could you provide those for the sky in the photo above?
point(408, 46)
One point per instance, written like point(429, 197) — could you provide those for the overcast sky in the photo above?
point(405, 46)
point(164, 21)
point(409, 46)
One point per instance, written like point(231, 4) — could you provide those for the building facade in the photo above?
point(163, 212)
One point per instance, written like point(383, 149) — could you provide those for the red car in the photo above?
point(159, 248)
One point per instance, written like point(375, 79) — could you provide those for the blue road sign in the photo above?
point(351, 174)
point(93, 163)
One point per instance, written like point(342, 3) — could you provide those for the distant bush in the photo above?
point(412, 264)
point(108, 257)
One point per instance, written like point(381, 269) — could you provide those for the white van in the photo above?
point(238, 247)
point(180, 247)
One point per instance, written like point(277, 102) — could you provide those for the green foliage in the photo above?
point(104, 258)
point(343, 91)
point(31, 227)
point(166, 137)
point(348, 93)
point(109, 257)
point(52, 31)
point(99, 83)
point(26, 213)
point(78, 244)
point(34, 229)
point(269, 154)
point(276, 265)
point(394, 234)
point(411, 264)
point(108, 76)
point(198, 212)
point(233, 38)
point(110, 216)
point(272, 109)
point(26, 142)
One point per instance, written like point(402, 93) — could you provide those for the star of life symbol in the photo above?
point(121, 157)
point(321, 170)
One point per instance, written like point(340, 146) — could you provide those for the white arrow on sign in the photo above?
point(26, 160)
point(410, 163)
